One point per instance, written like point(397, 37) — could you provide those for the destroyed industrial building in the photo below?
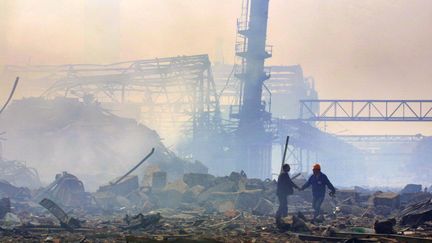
point(82, 138)
point(184, 149)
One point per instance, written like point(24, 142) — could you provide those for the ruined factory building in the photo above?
point(200, 121)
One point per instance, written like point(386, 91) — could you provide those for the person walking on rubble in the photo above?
point(318, 181)
point(284, 188)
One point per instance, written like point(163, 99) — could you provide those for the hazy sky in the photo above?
point(354, 49)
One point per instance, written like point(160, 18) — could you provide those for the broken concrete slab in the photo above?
point(382, 210)
point(223, 186)
point(126, 186)
point(194, 179)
point(388, 199)
point(65, 221)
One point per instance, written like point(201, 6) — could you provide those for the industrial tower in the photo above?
point(253, 138)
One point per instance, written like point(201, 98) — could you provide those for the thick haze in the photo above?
point(354, 49)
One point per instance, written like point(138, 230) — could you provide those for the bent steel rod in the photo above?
point(134, 168)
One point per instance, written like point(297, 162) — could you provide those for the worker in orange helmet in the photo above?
point(318, 181)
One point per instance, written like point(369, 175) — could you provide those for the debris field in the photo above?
point(203, 208)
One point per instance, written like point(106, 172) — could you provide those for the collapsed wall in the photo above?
point(82, 138)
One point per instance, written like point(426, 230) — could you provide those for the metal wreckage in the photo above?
point(203, 208)
point(168, 198)
point(194, 206)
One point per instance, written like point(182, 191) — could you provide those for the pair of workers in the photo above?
point(285, 187)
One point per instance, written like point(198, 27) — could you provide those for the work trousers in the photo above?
point(316, 205)
point(283, 206)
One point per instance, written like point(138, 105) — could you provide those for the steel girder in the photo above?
point(366, 110)
point(171, 92)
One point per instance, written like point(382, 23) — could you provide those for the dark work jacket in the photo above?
point(319, 185)
point(285, 185)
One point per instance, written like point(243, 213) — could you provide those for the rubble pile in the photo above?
point(203, 208)
point(417, 214)
point(168, 198)
point(65, 134)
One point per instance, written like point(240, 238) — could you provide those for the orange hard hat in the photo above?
point(316, 167)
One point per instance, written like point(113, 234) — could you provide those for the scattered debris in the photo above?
point(10, 221)
point(141, 221)
point(124, 187)
point(201, 206)
point(385, 227)
point(69, 135)
point(65, 221)
point(11, 191)
point(135, 167)
point(66, 190)
point(387, 199)
point(417, 213)
point(194, 179)
point(293, 223)
point(221, 209)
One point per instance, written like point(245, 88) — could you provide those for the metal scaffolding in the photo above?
point(169, 93)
